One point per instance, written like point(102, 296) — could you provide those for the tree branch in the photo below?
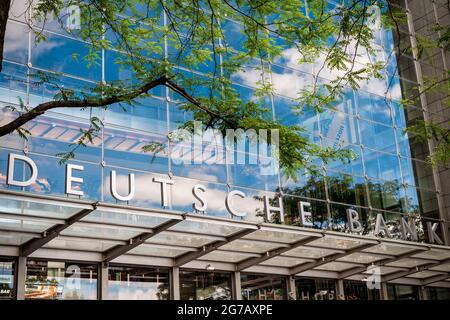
point(43, 107)
point(4, 10)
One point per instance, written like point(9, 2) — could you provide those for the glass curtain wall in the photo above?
point(381, 179)
point(438, 293)
point(359, 291)
point(263, 287)
point(315, 289)
point(138, 283)
point(56, 280)
point(198, 285)
point(402, 292)
point(7, 283)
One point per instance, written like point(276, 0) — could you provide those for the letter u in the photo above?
point(131, 187)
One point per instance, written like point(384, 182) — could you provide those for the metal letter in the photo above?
point(70, 179)
point(306, 216)
point(195, 190)
point(131, 187)
point(408, 227)
point(432, 235)
point(268, 208)
point(10, 179)
point(353, 219)
point(228, 203)
point(164, 183)
point(380, 225)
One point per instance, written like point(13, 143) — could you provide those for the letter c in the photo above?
point(228, 203)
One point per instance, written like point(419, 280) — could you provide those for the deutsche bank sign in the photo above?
point(74, 186)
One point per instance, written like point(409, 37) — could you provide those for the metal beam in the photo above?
point(310, 265)
point(273, 253)
point(433, 279)
point(190, 256)
point(119, 250)
point(401, 274)
point(356, 270)
point(32, 245)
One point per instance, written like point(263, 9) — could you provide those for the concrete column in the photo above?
point(175, 283)
point(423, 292)
point(21, 277)
point(340, 294)
point(383, 291)
point(236, 286)
point(290, 288)
point(103, 286)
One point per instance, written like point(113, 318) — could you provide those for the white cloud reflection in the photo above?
point(289, 82)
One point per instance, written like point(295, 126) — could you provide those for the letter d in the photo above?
point(11, 161)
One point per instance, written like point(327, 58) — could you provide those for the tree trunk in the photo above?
point(4, 10)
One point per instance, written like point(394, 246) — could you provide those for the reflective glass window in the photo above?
point(339, 128)
point(7, 271)
point(13, 83)
point(360, 291)
point(315, 289)
point(288, 112)
point(263, 287)
point(148, 115)
point(382, 166)
point(318, 209)
point(307, 185)
point(67, 55)
point(374, 108)
point(126, 149)
point(402, 292)
point(347, 189)
point(399, 114)
point(339, 218)
point(388, 195)
point(136, 283)
point(16, 42)
point(439, 293)
point(55, 280)
point(196, 285)
point(377, 136)
point(353, 166)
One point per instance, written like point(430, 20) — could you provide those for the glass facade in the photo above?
point(315, 289)
point(388, 176)
point(263, 287)
point(359, 291)
point(135, 283)
point(7, 269)
point(198, 285)
point(383, 178)
point(55, 280)
point(439, 293)
point(403, 292)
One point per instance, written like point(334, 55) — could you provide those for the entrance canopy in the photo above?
point(64, 228)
